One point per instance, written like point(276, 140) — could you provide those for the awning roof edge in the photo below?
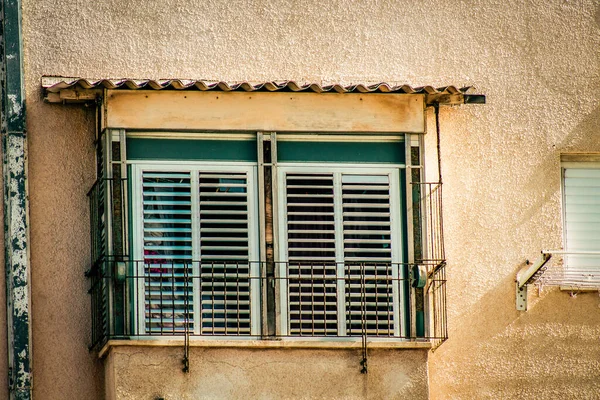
point(59, 89)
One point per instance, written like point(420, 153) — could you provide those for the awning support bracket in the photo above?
point(526, 276)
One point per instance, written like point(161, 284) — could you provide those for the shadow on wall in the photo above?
point(550, 351)
point(585, 136)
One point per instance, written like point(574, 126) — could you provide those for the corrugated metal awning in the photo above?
point(74, 89)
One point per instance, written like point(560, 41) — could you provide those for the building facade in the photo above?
point(244, 199)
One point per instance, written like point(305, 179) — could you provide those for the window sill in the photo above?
point(268, 344)
point(571, 288)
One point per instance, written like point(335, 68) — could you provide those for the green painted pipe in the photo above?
point(16, 228)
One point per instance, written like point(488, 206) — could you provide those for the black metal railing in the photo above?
point(108, 223)
point(97, 198)
point(427, 221)
point(371, 300)
point(430, 252)
point(436, 297)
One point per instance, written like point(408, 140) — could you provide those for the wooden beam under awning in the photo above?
point(264, 111)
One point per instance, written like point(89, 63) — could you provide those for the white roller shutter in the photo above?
point(582, 215)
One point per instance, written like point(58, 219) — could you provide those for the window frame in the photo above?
point(402, 296)
point(137, 241)
point(398, 274)
point(574, 162)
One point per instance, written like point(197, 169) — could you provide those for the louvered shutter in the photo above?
point(339, 238)
point(198, 241)
point(368, 254)
point(311, 254)
point(582, 215)
point(167, 248)
point(225, 252)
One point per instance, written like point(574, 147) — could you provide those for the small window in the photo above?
point(581, 211)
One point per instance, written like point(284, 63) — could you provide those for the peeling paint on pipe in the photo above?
point(16, 227)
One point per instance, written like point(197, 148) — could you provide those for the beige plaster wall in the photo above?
point(540, 70)
point(537, 62)
point(267, 374)
point(61, 171)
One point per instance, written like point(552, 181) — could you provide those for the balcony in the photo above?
point(266, 300)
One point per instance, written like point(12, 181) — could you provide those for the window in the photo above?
point(207, 222)
point(338, 268)
point(340, 235)
point(576, 266)
point(581, 203)
point(196, 232)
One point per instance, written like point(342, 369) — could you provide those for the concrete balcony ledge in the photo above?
point(287, 343)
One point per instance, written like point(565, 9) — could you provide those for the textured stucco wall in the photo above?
point(540, 69)
point(267, 374)
point(537, 61)
point(61, 171)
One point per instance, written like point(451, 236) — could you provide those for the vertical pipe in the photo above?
point(16, 228)
point(436, 108)
point(411, 309)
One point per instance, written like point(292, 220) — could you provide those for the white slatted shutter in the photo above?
point(343, 252)
point(225, 253)
point(311, 254)
point(198, 242)
point(167, 249)
point(582, 215)
point(368, 254)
